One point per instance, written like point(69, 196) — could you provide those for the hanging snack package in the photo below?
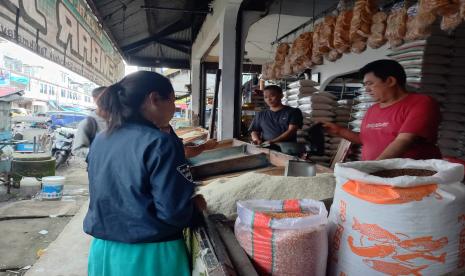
point(326, 34)
point(280, 58)
point(397, 25)
point(341, 39)
point(378, 29)
point(317, 56)
point(287, 67)
point(361, 21)
point(450, 22)
point(301, 51)
point(284, 237)
point(462, 9)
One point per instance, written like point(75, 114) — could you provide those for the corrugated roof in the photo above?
point(152, 33)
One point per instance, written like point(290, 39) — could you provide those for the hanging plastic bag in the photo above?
point(284, 237)
point(317, 56)
point(450, 22)
point(397, 26)
point(342, 31)
point(377, 37)
point(326, 34)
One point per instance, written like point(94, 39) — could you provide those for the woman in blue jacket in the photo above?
point(141, 190)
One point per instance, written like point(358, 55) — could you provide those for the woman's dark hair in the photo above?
point(97, 91)
point(385, 68)
point(121, 101)
point(274, 88)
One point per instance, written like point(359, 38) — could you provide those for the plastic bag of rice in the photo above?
point(284, 237)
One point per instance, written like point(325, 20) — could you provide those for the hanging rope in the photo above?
point(279, 18)
point(313, 14)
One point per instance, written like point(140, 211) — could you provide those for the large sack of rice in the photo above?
point(397, 217)
point(284, 237)
point(222, 194)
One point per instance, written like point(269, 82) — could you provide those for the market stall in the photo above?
point(426, 39)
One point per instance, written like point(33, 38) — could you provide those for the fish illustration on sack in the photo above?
point(395, 253)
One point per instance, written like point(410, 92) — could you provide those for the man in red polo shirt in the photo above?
point(400, 124)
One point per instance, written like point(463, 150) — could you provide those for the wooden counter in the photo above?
point(277, 161)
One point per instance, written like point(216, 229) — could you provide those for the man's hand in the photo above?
point(200, 203)
point(332, 128)
point(257, 142)
point(339, 131)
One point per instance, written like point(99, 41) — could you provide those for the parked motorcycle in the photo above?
point(62, 146)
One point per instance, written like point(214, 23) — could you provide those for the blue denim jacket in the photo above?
point(140, 186)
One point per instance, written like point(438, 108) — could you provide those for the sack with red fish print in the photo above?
point(387, 220)
point(284, 237)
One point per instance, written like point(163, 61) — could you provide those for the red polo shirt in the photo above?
point(416, 114)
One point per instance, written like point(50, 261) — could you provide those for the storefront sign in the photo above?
point(64, 31)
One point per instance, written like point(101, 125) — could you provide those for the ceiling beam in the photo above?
point(173, 45)
point(107, 30)
point(177, 26)
point(159, 62)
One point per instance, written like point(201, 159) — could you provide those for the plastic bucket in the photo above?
point(52, 187)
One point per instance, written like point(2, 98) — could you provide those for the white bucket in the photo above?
point(52, 187)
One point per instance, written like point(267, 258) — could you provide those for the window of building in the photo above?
point(63, 93)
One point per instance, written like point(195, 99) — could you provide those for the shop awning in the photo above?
point(8, 94)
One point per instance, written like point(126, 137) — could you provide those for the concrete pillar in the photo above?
point(227, 46)
point(194, 109)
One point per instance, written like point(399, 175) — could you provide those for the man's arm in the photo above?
point(399, 146)
point(345, 133)
point(290, 132)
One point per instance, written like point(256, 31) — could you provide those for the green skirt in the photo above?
point(108, 258)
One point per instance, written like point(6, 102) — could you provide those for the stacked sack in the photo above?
point(342, 111)
point(361, 104)
point(425, 66)
point(452, 129)
point(299, 95)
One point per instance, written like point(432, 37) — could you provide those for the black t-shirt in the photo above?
point(272, 124)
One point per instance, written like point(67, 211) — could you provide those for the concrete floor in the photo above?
point(23, 216)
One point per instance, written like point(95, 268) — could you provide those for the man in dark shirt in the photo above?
point(277, 124)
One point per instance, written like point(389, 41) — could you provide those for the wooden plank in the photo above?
point(237, 255)
point(211, 128)
point(341, 153)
